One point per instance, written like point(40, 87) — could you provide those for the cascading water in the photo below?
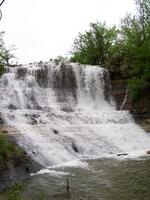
point(60, 113)
point(124, 100)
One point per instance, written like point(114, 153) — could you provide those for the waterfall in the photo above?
point(60, 112)
point(124, 100)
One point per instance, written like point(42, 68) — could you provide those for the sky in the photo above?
point(44, 29)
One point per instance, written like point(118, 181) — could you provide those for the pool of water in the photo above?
point(99, 179)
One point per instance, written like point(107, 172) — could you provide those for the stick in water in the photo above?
point(68, 186)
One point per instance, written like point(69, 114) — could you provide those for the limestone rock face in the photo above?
point(21, 73)
point(41, 76)
point(65, 83)
point(140, 109)
point(119, 88)
point(1, 120)
point(119, 91)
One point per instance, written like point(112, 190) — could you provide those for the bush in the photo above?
point(5, 55)
point(13, 192)
point(134, 86)
point(7, 149)
point(94, 46)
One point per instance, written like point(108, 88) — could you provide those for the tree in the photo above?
point(5, 54)
point(1, 3)
point(136, 38)
point(124, 51)
point(94, 46)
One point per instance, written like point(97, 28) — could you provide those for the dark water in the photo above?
point(105, 179)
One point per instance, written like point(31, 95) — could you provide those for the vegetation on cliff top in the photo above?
point(5, 54)
point(125, 50)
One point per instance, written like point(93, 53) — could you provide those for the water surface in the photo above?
point(104, 179)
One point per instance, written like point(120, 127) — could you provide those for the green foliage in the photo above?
point(5, 55)
point(7, 149)
point(59, 60)
point(94, 46)
point(124, 51)
point(13, 192)
point(136, 36)
point(134, 88)
point(16, 192)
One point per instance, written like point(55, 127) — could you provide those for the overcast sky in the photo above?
point(41, 29)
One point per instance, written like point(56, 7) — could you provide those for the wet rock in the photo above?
point(139, 108)
point(32, 118)
point(41, 76)
point(67, 109)
point(65, 83)
point(148, 151)
point(37, 107)
point(35, 115)
point(33, 121)
point(55, 131)
point(33, 105)
point(27, 169)
point(1, 120)
point(75, 148)
point(122, 154)
point(107, 86)
point(21, 73)
point(12, 107)
point(119, 91)
point(42, 122)
point(4, 131)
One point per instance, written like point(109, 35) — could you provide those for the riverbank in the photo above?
point(15, 164)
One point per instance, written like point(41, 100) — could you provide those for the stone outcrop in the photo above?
point(21, 73)
point(41, 76)
point(140, 109)
point(17, 166)
point(65, 83)
point(1, 119)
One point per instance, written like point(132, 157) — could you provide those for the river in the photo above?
point(101, 179)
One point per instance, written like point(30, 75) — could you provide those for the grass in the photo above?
point(8, 149)
point(13, 192)
point(8, 152)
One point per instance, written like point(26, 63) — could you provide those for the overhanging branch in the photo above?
point(2, 2)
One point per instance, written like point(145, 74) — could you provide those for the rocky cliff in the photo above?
point(140, 109)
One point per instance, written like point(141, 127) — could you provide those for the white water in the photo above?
point(59, 114)
point(124, 100)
